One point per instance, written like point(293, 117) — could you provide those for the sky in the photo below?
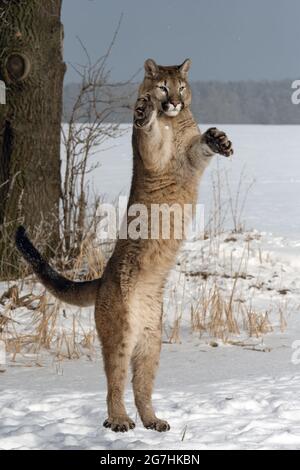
point(227, 40)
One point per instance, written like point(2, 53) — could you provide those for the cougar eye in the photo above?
point(181, 89)
point(163, 88)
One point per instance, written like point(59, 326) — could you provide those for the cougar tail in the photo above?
point(81, 294)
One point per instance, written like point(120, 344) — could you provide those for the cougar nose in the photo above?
point(175, 103)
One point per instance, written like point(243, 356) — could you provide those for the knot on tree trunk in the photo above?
point(17, 67)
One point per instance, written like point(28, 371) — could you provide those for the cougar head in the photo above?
point(168, 85)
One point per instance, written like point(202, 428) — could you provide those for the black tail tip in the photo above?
point(20, 234)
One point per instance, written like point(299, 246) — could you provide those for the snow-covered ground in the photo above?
point(241, 394)
point(214, 398)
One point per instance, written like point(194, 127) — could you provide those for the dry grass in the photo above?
point(219, 309)
point(45, 326)
point(219, 315)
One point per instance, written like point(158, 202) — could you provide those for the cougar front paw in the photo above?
point(122, 424)
point(218, 142)
point(143, 111)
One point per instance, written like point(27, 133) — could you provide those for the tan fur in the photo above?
point(170, 156)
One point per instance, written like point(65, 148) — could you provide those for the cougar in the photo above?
point(169, 156)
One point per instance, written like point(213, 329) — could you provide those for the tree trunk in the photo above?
point(31, 65)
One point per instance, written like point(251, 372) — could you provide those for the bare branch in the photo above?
point(84, 133)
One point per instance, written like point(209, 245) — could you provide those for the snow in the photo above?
point(242, 393)
point(214, 398)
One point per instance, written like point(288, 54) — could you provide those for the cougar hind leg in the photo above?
point(145, 361)
point(117, 341)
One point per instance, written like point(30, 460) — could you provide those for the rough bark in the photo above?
point(31, 65)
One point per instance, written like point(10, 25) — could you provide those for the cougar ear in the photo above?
point(185, 67)
point(151, 68)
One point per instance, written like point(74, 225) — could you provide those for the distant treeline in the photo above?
point(247, 102)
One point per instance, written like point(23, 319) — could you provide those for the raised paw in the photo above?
point(157, 425)
point(218, 142)
point(143, 111)
point(122, 424)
